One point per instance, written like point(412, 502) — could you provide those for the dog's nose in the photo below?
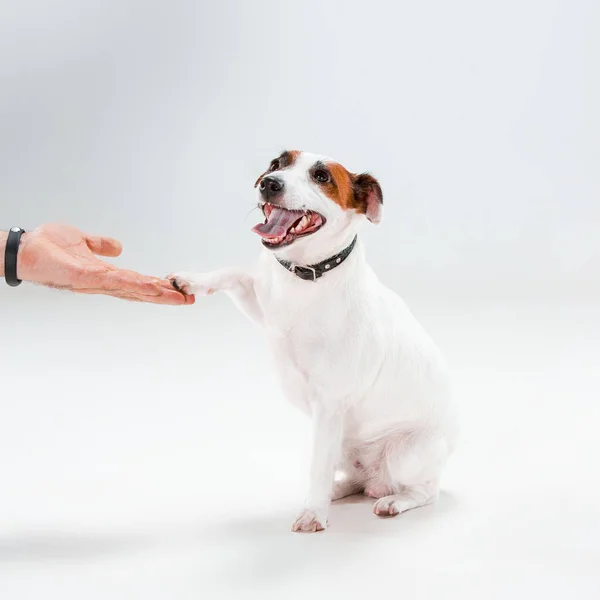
point(270, 186)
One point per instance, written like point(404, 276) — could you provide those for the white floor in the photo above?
point(141, 462)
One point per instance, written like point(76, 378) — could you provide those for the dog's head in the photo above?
point(311, 199)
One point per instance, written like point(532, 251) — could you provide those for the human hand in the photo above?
point(63, 257)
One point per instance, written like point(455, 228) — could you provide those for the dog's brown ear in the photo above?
point(368, 197)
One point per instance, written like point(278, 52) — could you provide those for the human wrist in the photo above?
point(24, 260)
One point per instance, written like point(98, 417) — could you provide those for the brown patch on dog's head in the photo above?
point(285, 160)
point(336, 183)
point(361, 193)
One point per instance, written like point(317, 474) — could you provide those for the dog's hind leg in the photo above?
point(412, 464)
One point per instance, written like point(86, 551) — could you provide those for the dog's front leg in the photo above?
point(327, 444)
point(236, 283)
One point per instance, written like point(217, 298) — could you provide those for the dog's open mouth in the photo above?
point(283, 226)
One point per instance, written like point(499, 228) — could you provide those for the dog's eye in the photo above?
point(275, 165)
point(321, 175)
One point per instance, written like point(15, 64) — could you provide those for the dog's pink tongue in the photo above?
point(278, 222)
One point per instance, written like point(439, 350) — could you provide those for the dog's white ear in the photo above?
point(368, 196)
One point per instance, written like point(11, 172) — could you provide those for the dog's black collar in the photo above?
point(313, 272)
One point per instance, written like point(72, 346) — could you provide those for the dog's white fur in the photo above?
point(350, 354)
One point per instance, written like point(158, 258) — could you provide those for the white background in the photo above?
point(146, 452)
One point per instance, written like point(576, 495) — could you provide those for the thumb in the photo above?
point(103, 246)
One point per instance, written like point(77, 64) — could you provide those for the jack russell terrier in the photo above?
point(348, 352)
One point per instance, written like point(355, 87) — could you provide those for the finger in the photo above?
point(171, 298)
point(103, 246)
point(101, 292)
point(120, 281)
point(132, 282)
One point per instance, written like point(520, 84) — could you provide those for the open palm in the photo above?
point(63, 257)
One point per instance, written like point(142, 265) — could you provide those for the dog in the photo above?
point(347, 350)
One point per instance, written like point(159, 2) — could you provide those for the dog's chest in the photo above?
point(312, 324)
point(318, 335)
point(307, 313)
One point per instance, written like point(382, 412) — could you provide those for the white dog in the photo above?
point(348, 352)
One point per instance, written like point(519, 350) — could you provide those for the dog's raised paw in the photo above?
point(309, 521)
point(190, 284)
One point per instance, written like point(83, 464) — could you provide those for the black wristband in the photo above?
point(10, 256)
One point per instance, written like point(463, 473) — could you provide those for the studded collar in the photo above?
point(313, 272)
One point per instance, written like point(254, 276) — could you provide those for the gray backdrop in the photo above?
point(128, 431)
